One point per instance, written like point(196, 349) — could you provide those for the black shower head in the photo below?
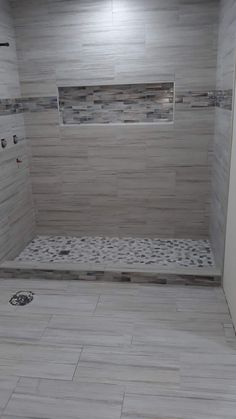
point(5, 44)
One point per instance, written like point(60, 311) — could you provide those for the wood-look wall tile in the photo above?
point(119, 180)
point(223, 130)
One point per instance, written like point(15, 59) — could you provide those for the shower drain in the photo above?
point(21, 298)
point(64, 252)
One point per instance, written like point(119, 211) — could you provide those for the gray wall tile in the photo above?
point(223, 127)
point(124, 180)
point(16, 207)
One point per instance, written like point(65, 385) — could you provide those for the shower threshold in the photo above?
point(117, 259)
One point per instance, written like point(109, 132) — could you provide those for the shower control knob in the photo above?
point(15, 139)
point(3, 143)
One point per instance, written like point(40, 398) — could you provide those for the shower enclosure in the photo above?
point(122, 113)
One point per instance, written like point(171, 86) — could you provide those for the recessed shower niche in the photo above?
point(123, 103)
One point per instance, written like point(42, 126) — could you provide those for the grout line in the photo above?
point(99, 297)
point(77, 363)
point(122, 404)
point(13, 390)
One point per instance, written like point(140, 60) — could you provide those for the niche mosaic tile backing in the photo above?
point(117, 103)
point(165, 252)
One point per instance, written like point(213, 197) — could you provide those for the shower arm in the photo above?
point(5, 44)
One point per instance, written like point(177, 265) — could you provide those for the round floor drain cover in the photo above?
point(21, 298)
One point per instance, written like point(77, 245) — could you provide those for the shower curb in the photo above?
point(109, 273)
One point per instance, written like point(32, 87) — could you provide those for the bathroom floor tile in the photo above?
point(93, 350)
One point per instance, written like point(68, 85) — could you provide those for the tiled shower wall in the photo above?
point(16, 209)
point(122, 180)
point(223, 127)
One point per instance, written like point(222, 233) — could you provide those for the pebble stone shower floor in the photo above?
point(146, 251)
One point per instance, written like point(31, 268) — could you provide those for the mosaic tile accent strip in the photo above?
point(10, 106)
point(216, 98)
point(39, 104)
point(33, 104)
point(136, 277)
point(72, 113)
point(196, 99)
point(224, 99)
point(165, 252)
point(127, 103)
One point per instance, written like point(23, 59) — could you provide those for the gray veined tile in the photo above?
point(209, 365)
point(64, 399)
point(41, 369)
point(229, 331)
point(136, 304)
point(88, 330)
point(175, 356)
point(184, 340)
point(103, 288)
point(213, 374)
point(85, 337)
point(155, 407)
point(197, 305)
point(36, 285)
point(202, 328)
point(208, 387)
point(61, 43)
point(136, 371)
point(16, 326)
point(104, 310)
point(37, 351)
point(7, 386)
point(61, 304)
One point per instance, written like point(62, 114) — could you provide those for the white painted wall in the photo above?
point(229, 281)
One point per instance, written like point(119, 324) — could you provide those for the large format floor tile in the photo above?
point(155, 407)
point(65, 399)
point(125, 351)
point(7, 386)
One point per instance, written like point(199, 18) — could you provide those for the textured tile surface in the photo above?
point(143, 181)
point(223, 127)
point(16, 206)
point(117, 103)
point(105, 350)
point(30, 104)
point(104, 250)
point(139, 103)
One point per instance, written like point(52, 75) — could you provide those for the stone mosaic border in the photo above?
point(222, 99)
point(216, 98)
point(108, 275)
point(31, 104)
